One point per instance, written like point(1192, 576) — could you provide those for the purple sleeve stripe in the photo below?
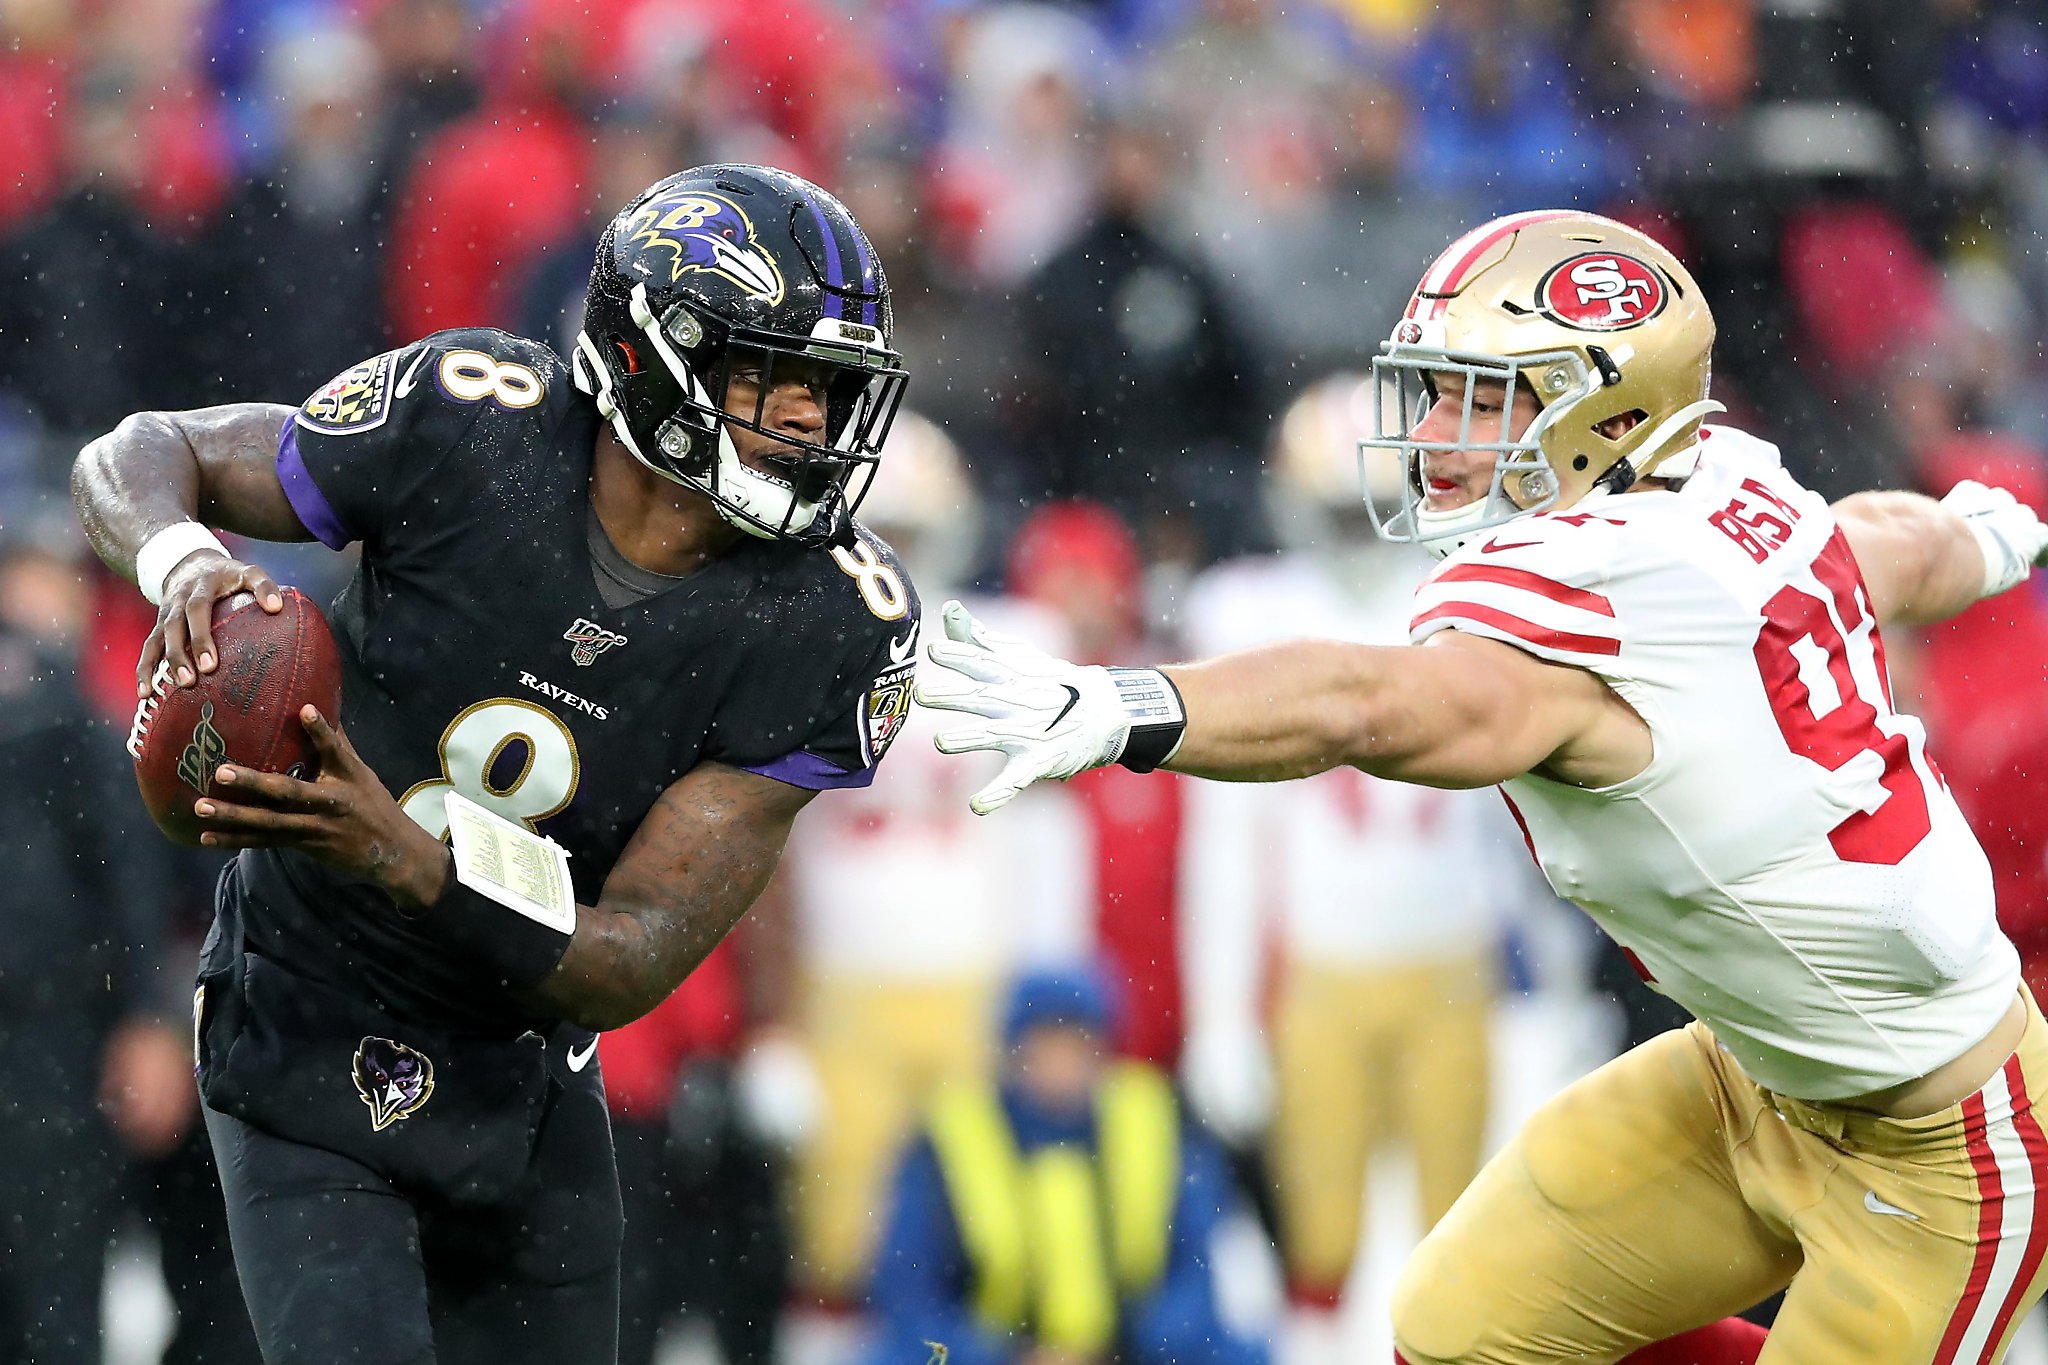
point(801, 769)
point(316, 514)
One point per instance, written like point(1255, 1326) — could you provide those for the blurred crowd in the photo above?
point(1140, 249)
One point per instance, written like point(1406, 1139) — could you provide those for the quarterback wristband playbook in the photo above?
point(165, 551)
point(1153, 707)
point(511, 902)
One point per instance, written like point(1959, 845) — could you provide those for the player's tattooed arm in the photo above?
point(216, 466)
point(698, 860)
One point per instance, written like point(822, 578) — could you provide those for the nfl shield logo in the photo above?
point(590, 640)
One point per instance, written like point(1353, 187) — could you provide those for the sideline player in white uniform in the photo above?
point(1382, 898)
point(1667, 652)
point(908, 912)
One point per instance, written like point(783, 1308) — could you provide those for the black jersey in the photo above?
point(480, 656)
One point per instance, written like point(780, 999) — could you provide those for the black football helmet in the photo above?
point(728, 269)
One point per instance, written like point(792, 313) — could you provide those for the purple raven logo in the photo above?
point(393, 1079)
point(706, 233)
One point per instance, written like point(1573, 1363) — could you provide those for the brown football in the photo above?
point(245, 712)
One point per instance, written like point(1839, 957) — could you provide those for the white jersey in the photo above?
point(1357, 870)
point(1789, 867)
point(900, 882)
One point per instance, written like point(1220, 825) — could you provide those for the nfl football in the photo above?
point(245, 712)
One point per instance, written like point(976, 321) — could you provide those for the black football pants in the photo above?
point(339, 1266)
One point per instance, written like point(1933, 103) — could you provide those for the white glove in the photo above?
point(1229, 1081)
point(777, 1091)
point(2007, 531)
point(1049, 717)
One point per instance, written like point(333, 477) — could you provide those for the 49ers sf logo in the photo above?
point(1602, 292)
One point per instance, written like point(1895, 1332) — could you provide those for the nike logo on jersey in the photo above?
point(1876, 1205)
point(578, 1059)
point(1494, 547)
point(900, 650)
point(1073, 699)
point(411, 375)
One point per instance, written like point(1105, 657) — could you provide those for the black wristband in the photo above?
point(520, 951)
point(1158, 720)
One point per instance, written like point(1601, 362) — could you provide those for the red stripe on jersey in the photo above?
point(1534, 634)
point(1990, 1216)
point(2029, 1128)
point(1561, 593)
point(1522, 825)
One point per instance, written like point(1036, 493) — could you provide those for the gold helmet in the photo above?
point(1594, 318)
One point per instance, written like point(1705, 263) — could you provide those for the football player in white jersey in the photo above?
point(1376, 897)
point(1667, 653)
point(902, 933)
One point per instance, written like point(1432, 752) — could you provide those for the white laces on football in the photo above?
point(2010, 535)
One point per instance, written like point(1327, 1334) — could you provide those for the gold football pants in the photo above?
point(1365, 1057)
point(882, 1050)
point(1668, 1190)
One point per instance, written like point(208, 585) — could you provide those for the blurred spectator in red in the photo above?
point(492, 189)
point(1079, 560)
point(703, 1232)
point(36, 42)
point(1983, 677)
point(1137, 387)
point(299, 250)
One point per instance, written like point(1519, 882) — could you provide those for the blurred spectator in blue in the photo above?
point(94, 1050)
point(1063, 1215)
point(299, 250)
point(1494, 113)
point(1137, 385)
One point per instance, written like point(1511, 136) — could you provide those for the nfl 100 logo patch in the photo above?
point(591, 640)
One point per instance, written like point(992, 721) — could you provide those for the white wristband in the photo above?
point(165, 551)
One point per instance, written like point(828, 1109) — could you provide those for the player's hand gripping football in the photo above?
point(2010, 535)
point(1048, 717)
point(345, 817)
point(183, 638)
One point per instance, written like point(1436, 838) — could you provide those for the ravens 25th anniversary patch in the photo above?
point(357, 399)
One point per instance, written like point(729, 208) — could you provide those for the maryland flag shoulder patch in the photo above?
point(357, 399)
point(883, 711)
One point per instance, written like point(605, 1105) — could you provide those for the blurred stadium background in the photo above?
point(1132, 242)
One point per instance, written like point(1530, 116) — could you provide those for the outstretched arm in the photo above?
point(1926, 561)
point(156, 470)
point(1456, 712)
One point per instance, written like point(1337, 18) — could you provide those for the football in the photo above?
point(245, 712)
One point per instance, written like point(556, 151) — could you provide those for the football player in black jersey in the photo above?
point(620, 603)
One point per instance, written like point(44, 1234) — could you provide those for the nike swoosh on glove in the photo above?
point(1049, 718)
point(2012, 538)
